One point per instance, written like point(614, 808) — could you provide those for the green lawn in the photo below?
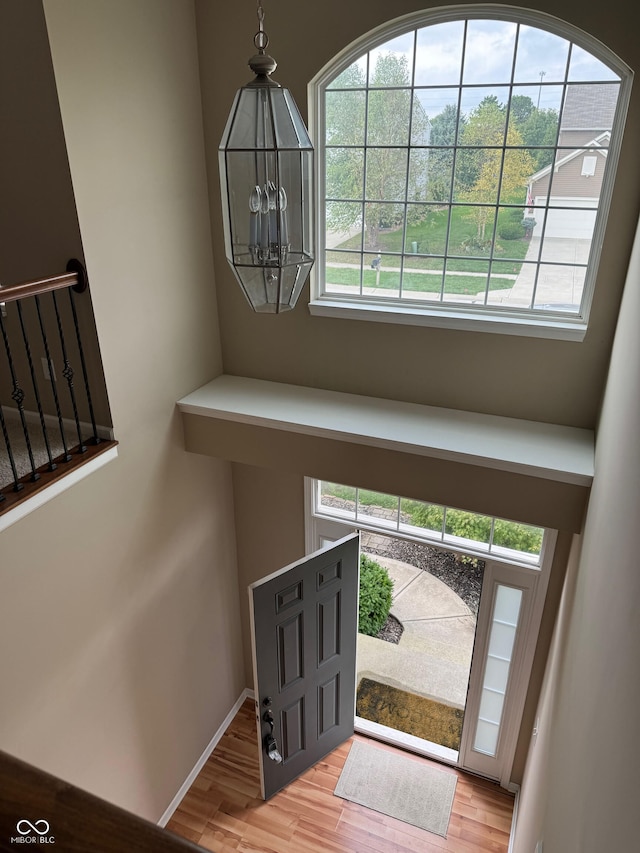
point(422, 282)
point(431, 237)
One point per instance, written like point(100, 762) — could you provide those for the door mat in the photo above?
point(406, 712)
point(406, 788)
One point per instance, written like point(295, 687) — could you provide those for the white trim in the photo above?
point(534, 589)
point(533, 581)
point(317, 513)
point(539, 326)
point(414, 744)
point(489, 318)
point(552, 452)
point(247, 693)
point(56, 488)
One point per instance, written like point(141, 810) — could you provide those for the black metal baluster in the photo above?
point(87, 389)
point(17, 396)
point(54, 385)
point(67, 372)
point(34, 381)
point(17, 486)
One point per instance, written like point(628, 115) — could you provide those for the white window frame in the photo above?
point(323, 527)
point(526, 322)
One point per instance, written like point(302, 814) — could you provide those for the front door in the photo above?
point(304, 621)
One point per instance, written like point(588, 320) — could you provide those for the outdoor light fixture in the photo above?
point(266, 177)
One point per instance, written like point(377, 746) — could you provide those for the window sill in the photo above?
point(448, 318)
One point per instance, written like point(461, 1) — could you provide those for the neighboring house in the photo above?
point(575, 178)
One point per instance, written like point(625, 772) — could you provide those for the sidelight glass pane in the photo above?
point(502, 637)
point(496, 674)
point(491, 705)
point(507, 606)
point(487, 737)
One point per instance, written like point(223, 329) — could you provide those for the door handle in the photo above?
point(270, 743)
point(268, 718)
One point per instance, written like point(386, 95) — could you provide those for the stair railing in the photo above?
point(39, 332)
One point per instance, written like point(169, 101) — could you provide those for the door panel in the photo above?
point(304, 621)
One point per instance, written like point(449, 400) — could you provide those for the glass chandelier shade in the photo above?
point(266, 177)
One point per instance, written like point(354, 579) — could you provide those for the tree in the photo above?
point(482, 176)
point(521, 108)
point(387, 136)
point(540, 128)
point(345, 107)
point(485, 126)
point(499, 179)
point(445, 128)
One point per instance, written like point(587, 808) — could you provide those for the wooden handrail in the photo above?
point(43, 807)
point(74, 277)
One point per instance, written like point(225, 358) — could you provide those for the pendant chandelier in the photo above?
point(266, 178)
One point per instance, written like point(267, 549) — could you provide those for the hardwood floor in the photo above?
point(223, 812)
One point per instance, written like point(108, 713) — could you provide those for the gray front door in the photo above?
point(304, 621)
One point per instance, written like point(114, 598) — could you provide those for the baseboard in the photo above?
point(175, 802)
point(514, 818)
point(51, 422)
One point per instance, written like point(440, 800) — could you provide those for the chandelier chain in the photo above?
point(261, 39)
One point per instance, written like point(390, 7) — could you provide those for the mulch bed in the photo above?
point(462, 575)
point(391, 631)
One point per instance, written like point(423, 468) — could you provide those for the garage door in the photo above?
point(574, 224)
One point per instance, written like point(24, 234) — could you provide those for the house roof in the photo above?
point(590, 106)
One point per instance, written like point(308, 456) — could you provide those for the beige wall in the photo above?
point(554, 381)
point(119, 617)
point(39, 229)
point(270, 531)
point(38, 221)
point(580, 793)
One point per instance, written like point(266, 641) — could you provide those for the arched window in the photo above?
point(465, 164)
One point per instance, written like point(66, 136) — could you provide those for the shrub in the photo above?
point(511, 231)
point(375, 596)
point(475, 246)
point(429, 516)
point(470, 525)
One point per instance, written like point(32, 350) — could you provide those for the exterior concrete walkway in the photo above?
point(433, 656)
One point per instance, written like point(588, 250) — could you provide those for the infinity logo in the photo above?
point(40, 826)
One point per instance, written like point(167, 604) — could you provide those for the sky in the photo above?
point(540, 62)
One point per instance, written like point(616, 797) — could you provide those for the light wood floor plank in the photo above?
point(223, 812)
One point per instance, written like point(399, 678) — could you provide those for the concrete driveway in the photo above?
point(561, 276)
